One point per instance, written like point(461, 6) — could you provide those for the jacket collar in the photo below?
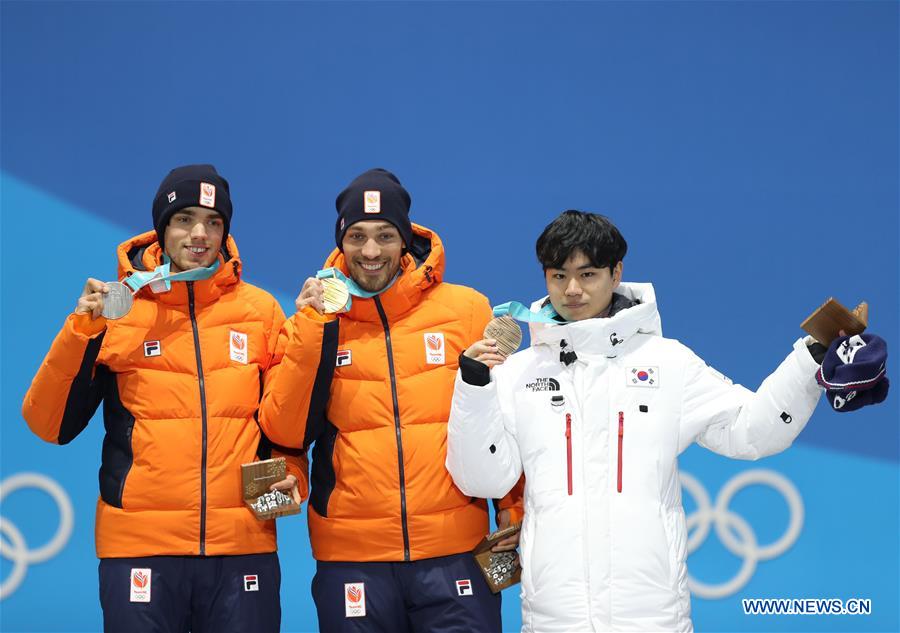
point(602, 337)
point(143, 252)
point(421, 269)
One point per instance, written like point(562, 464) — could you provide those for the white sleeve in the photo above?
point(482, 450)
point(733, 421)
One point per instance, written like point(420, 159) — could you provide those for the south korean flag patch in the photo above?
point(647, 377)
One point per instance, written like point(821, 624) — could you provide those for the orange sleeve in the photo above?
point(298, 382)
point(64, 393)
point(297, 463)
point(481, 316)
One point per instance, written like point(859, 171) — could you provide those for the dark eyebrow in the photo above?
point(195, 213)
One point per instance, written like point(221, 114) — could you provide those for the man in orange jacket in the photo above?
point(371, 388)
point(181, 376)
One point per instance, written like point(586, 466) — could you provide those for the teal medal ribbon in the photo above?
point(353, 288)
point(519, 312)
point(160, 279)
point(546, 314)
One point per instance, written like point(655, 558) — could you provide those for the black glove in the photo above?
point(474, 372)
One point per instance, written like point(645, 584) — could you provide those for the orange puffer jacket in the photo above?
point(372, 388)
point(180, 377)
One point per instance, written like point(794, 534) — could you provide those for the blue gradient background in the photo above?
point(747, 150)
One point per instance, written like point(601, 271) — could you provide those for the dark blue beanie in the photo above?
point(191, 186)
point(853, 372)
point(374, 195)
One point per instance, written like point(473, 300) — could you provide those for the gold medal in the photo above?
point(506, 331)
point(337, 296)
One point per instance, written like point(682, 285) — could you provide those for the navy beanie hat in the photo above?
point(191, 186)
point(853, 372)
point(374, 195)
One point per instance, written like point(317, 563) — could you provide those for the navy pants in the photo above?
point(437, 595)
point(191, 593)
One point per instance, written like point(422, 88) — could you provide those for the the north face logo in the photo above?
point(543, 384)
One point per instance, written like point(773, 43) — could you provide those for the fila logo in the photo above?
point(207, 195)
point(464, 587)
point(372, 202)
point(237, 342)
point(171, 197)
point(140, 584)
point(152, 348)
point(344, 357)
point(543, 384)
point(251, 583)
point(642, 377)
point(434, 348)
point(354, 599)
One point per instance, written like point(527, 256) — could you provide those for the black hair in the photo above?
point(594, 235)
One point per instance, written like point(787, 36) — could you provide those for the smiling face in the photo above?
point(579, 290)
point(193, 238)
point(372, 249)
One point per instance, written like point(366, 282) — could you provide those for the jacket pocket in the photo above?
point(619, 465)
point(676, 537)
point(527, 585)
point(569, 452)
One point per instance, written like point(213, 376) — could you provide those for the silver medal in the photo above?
point(118, 301)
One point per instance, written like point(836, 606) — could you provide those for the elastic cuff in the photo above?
point(817, 351)
point(516, 514)
point(312, 314)
point(83, 324)
point(474, 372)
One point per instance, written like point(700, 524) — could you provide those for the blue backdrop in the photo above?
point(747, 150)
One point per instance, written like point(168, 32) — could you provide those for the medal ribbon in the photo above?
point(161, 276)
point(352, 286)
point(519, 312)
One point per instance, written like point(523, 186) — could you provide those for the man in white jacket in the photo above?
point(595, 413)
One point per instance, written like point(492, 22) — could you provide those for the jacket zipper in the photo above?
point(390, 355)
point(569, 450)
point(621, 439)
point(190, 289)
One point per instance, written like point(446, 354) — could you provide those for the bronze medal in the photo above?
point(506, 331)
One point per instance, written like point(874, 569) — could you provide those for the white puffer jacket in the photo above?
point(604, 537)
